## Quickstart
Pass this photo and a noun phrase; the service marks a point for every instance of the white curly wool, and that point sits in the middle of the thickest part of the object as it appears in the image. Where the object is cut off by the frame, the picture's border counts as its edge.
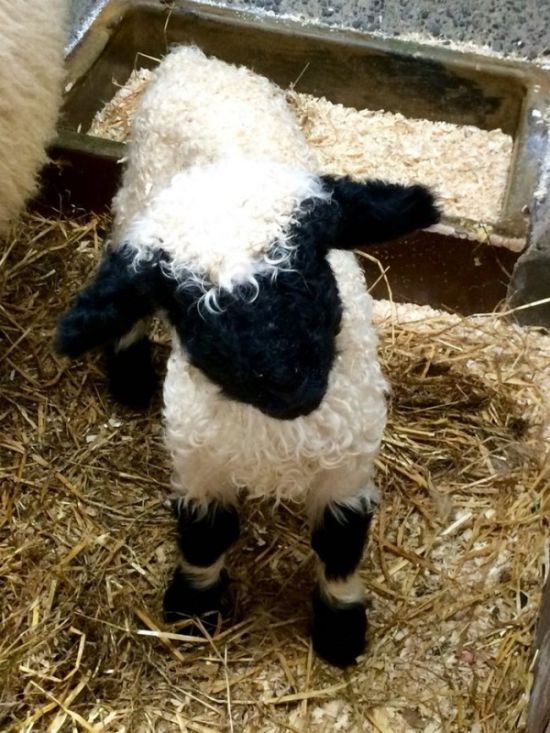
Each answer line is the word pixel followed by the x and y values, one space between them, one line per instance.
pixel 32 35
pixel 219 219
pixel 217 167
pixel 197 111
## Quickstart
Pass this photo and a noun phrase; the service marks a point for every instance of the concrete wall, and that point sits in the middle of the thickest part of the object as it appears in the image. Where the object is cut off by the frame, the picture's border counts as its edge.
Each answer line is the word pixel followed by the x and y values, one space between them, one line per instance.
pixel 516 27
pixel 510 27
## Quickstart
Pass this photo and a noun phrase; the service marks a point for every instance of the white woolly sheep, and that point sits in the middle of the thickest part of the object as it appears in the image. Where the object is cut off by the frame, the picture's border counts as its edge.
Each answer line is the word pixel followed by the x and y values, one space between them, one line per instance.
pixel 32 37
pixel 273 384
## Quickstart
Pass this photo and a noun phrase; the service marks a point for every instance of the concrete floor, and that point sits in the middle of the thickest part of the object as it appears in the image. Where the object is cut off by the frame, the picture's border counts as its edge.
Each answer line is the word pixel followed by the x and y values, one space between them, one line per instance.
pixel 510 27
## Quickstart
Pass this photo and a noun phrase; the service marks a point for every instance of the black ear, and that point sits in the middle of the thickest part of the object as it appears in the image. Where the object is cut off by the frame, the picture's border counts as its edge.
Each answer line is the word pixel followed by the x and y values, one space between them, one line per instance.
pixel 375 211
pixel 121 294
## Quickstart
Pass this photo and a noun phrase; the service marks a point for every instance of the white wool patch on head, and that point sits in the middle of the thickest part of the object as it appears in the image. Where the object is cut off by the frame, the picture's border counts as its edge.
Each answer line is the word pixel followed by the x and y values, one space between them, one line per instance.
pixel 225 222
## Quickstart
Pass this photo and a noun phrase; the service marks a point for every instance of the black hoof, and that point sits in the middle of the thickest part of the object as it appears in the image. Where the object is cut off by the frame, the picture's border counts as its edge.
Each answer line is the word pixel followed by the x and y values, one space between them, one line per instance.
pixel 339 631
pixel 183 601
pixel 133 380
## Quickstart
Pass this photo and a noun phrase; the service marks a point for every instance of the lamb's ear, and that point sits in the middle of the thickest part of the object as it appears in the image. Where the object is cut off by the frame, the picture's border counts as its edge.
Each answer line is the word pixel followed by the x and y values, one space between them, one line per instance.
pixel 375 211
pixel 121 294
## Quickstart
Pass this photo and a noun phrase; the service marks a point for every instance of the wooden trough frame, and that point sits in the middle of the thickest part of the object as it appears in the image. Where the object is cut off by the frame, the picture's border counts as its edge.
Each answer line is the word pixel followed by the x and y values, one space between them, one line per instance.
pixel 450 269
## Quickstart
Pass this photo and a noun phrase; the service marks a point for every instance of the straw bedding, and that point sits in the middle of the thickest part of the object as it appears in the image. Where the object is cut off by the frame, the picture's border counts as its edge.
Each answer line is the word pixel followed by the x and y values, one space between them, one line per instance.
pixel 467 166
pixel 453 572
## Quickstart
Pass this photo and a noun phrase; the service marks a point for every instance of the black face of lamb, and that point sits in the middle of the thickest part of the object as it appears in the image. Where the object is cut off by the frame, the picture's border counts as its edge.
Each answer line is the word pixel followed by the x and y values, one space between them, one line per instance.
pixel 273 349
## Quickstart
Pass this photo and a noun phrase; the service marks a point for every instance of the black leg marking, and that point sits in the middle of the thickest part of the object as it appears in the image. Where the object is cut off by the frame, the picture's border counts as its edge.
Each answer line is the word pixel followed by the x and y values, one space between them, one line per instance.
pixel 182 600
pixel 339 630
pixel 203 536
pixel 339 608
pixel 131 373
pixel 198 587
pixel 340 538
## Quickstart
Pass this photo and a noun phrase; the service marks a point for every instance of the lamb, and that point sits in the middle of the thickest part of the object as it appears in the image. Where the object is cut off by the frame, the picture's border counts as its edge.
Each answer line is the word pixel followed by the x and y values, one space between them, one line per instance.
pixel 32 37
pixel 273 384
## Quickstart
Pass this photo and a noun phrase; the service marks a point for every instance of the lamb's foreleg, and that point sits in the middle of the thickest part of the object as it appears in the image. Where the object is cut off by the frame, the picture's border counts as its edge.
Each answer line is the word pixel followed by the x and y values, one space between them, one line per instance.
pixel 205 533
pixel 339 609
pixel 130 370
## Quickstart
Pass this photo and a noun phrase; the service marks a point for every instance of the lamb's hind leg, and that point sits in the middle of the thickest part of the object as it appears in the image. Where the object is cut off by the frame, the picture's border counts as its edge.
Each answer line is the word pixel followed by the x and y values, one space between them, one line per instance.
pixel 339 608
pixel 205 533
pixel 130 370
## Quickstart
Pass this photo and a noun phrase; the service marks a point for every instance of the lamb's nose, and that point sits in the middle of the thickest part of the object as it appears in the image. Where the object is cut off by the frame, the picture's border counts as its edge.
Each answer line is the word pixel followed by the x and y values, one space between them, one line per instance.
pixel 287 395
pixel 295 399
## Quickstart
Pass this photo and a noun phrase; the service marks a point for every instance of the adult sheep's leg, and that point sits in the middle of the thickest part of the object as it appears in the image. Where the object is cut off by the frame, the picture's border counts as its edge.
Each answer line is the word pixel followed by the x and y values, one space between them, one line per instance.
pixel 130 370
pixel 205 533
pixel 339 537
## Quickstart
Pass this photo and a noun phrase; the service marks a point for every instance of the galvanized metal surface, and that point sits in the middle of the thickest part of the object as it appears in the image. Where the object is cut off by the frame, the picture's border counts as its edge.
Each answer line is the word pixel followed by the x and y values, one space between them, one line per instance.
pixel 81 16
pixel 531 279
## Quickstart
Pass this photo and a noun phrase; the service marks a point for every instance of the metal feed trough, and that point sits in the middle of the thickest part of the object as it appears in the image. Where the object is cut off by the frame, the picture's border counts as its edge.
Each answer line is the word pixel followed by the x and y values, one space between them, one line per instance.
pixel 438 84
pixel 450 269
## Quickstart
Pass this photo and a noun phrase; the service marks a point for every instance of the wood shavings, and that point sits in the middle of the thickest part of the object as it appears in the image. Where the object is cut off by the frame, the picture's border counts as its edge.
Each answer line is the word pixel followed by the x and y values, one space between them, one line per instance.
pixel 113 121
pixel 454 568
pixel 465 165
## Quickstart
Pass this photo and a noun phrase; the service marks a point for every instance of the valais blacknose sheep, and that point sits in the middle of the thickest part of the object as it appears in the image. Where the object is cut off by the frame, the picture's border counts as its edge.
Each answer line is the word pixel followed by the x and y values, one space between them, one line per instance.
pixel 273 385
pixel 32 36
